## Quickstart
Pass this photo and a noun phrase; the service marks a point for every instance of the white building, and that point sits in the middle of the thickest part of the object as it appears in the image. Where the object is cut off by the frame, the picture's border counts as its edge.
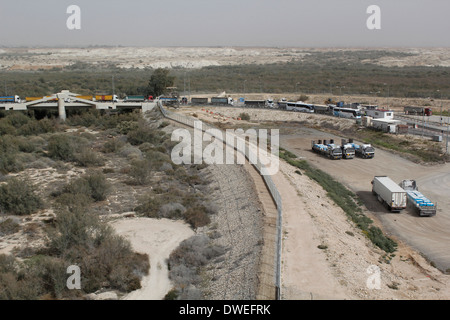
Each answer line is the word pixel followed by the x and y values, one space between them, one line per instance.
pixel 386 125
pixel 380 114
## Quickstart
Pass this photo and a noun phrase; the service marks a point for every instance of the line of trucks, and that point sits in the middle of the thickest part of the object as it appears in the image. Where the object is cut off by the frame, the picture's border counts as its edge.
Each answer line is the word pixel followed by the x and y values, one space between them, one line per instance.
pixel 398 196
pixel 346 150
pixel 98 98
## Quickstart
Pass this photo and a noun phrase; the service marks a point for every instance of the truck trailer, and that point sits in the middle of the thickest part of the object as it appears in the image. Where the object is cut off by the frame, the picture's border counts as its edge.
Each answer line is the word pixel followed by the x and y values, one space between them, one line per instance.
pixel 259 103
pixel 327 148
pixel 416 200
pixel 419 111
pixel 389 193
pixel 199 100
pixel 106 98
pixel 135 99
pixel 10 99
pixel 222 101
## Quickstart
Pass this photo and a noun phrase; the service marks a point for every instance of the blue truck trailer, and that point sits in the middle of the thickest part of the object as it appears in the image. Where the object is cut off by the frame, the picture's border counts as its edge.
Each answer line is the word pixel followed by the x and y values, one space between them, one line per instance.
pixel 424 206
pixel 10 99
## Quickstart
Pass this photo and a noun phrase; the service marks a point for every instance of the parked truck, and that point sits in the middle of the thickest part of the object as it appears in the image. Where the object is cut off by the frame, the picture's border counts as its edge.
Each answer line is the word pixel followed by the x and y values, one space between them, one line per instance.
pixel 389 193
pixel 348 151
pixel 222 101
pixel 365 151
pixel 419 111
pixel 327 148
pixel 416 200
pixel 268 103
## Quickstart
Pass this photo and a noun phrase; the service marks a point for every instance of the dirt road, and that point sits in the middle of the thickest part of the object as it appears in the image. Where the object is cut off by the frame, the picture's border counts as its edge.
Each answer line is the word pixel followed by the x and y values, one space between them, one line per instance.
pixel 429 235
pixel 158 238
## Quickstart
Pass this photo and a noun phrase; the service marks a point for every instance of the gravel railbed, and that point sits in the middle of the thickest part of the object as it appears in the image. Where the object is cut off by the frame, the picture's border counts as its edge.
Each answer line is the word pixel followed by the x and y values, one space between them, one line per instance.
pixel 239 223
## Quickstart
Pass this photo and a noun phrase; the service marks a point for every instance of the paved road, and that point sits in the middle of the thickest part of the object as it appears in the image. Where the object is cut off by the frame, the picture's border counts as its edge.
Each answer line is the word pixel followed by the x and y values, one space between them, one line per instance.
pixel 429 235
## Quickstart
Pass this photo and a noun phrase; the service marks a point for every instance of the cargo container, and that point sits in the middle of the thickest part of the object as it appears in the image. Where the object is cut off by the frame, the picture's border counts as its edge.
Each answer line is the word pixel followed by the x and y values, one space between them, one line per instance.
pixel 416 200
pixel 222 101
pixel 29 99
pixel 134 99
pixel 106 98
pixel 321 109
pixel 389 193
pixel 199 100
pixel 89 98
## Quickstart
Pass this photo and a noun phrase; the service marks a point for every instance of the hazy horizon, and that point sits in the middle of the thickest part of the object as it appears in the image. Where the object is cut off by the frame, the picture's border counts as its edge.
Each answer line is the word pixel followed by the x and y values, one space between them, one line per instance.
pixel 231 23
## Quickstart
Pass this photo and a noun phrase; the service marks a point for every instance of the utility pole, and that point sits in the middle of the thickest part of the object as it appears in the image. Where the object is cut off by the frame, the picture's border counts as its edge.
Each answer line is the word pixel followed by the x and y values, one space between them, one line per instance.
pixel 448 125
pixel 113 88
pixel 423 120
pixel 189 85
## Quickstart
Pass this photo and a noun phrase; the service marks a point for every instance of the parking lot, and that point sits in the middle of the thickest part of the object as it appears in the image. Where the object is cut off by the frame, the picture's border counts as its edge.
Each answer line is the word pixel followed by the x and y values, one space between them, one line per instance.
pixel 429 235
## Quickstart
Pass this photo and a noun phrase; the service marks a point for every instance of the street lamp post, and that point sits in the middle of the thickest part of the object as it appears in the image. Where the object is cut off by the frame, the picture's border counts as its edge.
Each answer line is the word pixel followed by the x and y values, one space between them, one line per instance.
pixel 244 88
pixel 441 104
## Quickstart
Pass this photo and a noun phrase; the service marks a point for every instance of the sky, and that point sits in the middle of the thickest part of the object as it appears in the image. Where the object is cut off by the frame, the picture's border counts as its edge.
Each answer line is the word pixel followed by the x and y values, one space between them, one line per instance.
pixel 265 23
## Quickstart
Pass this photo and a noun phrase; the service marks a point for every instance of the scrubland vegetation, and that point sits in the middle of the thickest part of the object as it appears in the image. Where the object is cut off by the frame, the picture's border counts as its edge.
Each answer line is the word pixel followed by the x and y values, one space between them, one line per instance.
pixel 346 72
pixel 125 148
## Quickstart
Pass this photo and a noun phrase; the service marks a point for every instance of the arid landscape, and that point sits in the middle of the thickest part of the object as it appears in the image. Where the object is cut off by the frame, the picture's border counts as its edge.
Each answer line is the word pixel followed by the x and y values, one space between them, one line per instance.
pixel 154 230
pixel 196 57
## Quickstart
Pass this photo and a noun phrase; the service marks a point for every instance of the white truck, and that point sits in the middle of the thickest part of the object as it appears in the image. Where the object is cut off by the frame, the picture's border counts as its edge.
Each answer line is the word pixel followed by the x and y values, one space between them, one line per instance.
pixel 389 193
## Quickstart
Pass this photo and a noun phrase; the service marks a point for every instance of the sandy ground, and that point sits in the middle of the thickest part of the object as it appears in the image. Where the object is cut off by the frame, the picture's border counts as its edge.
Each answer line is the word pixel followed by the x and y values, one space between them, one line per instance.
pixel 158 238
pixel 196 57
pixel 345 269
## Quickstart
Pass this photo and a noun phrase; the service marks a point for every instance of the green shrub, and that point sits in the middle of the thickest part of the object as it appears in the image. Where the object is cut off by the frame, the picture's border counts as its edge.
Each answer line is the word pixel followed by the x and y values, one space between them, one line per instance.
pixel 18 119
pixel 244 116
pixel 88 158
pixel 61 147
pixel 197 216
pixel 92 185
pixel 8 226
pixel 18 197
pixel 140 171
pixel 143 133
pixel 36 127
pixel 171 295
pixel 113 145
pixel 8 155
